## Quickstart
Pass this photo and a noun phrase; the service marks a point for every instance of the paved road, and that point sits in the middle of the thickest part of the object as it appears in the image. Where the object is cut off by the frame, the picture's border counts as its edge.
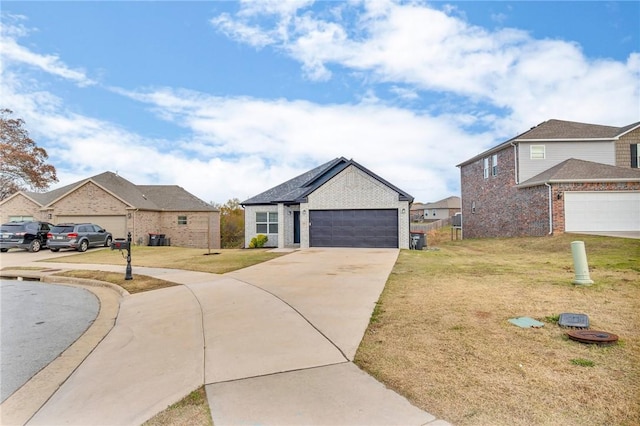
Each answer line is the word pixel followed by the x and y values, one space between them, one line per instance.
pixel 38 322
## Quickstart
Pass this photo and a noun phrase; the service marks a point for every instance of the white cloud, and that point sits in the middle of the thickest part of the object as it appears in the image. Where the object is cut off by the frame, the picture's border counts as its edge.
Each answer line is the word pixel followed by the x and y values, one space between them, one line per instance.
pixel 12 52
pixel 240 146
pixel 415 151
pixel 436 51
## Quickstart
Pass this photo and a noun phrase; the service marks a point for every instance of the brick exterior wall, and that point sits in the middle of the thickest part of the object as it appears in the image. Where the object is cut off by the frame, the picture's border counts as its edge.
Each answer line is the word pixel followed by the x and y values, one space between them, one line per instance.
pixel 355 189
pixel 91 200
pixel 201 231
pixel 623 150
pixel 21 206
pixel 250 224
pixel 350 189
pixel 501 210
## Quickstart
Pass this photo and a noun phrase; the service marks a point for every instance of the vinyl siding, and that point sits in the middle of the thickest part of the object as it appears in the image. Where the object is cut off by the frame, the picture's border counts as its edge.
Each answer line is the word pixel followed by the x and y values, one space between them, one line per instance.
pixel 557 152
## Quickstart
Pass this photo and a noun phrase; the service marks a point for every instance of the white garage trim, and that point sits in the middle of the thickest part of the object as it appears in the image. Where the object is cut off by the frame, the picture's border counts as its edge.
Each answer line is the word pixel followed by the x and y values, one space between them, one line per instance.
pixel 117 225
pixel 602 211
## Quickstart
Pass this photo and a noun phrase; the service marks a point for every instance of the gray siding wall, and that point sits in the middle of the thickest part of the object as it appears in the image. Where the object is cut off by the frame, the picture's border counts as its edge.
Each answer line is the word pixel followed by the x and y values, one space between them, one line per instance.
pixel 436 214
pixel 557 152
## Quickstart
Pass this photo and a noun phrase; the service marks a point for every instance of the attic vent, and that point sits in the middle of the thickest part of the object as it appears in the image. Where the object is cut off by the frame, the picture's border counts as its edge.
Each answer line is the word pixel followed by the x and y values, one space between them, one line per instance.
pixel 144 196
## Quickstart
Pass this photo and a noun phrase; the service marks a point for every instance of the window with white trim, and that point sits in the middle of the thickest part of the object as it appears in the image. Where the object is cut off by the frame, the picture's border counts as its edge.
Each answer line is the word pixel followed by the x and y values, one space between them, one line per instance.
pixel 267 222
pixel 635 156
pixel 20 218
pixel 182 220
pixel 485 167
pixel 494 165
pixel 537 152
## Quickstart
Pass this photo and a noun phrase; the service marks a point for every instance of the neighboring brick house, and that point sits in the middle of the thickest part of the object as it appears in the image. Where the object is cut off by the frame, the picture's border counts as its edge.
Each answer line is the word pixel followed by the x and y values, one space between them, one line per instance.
pixel 338 204
pixel 557 177
pixel 442 209
pixel 120 207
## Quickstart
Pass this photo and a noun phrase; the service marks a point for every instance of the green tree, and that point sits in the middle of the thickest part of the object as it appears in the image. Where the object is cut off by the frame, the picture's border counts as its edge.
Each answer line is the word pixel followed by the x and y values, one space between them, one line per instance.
pixel 22 163
pixel 231 224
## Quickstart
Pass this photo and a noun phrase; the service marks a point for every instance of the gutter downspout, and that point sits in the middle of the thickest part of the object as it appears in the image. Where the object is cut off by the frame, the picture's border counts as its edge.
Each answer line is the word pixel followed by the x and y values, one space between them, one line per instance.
pixel 515 160
pixel 550 209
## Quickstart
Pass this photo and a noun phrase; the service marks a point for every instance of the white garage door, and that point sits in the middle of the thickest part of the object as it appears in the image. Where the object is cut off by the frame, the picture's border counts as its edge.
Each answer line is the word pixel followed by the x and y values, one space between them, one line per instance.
pixel 117 225
pixel 602 211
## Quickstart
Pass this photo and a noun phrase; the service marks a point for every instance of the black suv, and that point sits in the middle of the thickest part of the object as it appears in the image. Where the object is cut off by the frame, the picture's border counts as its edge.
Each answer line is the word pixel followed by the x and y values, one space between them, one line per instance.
pixel 31 236
pixel 79 236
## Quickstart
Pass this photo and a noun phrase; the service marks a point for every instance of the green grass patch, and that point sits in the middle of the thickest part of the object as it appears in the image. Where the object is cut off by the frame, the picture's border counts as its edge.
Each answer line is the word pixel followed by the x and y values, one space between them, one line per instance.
pixel 582 362
pixel 215 262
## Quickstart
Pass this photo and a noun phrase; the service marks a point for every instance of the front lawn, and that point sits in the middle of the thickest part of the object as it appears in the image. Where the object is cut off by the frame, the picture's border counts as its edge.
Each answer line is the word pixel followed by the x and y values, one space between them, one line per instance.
pixel 215 262
pixel 440 334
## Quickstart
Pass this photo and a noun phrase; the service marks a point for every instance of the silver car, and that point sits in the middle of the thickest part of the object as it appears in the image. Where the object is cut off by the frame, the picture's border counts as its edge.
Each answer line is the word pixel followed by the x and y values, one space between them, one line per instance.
pixel 79 236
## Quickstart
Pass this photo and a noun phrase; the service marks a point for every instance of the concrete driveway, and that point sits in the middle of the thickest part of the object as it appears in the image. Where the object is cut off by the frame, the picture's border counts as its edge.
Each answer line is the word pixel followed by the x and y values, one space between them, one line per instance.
pixel 273 344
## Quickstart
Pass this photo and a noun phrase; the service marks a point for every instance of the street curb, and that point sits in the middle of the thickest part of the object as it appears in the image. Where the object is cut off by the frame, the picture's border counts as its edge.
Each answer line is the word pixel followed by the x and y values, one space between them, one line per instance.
pixel 26 401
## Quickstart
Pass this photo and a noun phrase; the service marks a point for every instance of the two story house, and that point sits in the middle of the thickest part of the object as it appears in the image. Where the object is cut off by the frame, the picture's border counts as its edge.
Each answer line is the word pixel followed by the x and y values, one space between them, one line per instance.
pixel 559 176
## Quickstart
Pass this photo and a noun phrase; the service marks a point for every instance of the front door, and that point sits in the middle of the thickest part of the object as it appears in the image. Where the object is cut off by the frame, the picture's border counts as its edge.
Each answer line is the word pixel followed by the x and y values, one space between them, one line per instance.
pixel 296 227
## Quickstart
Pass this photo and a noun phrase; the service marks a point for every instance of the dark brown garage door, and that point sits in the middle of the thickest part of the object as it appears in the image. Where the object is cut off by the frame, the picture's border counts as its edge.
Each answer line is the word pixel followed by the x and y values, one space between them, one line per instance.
pixel 354 228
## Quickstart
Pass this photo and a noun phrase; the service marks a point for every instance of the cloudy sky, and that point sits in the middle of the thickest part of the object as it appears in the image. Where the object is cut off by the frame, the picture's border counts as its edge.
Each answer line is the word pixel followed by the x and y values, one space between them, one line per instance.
pixel 227 99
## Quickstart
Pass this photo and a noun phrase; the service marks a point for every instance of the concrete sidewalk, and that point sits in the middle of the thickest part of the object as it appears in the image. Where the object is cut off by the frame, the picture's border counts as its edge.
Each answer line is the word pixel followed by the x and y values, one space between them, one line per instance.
pixel 273 343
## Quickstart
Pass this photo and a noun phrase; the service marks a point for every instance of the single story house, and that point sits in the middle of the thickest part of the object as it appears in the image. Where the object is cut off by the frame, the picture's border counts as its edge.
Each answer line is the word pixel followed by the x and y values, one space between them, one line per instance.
pixel 559 176
pixel 121 207
pixel 337 204
pixel 442 209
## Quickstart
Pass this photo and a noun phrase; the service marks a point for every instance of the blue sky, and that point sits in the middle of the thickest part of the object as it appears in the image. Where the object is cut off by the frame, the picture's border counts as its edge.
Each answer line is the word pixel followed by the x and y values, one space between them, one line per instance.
pixel 227 99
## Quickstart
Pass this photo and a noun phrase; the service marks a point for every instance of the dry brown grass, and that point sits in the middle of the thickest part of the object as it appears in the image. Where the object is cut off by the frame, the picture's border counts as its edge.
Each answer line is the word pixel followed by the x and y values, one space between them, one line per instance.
pixel 139 284
pixel 193 410
pixel 440 334
pixel 215 262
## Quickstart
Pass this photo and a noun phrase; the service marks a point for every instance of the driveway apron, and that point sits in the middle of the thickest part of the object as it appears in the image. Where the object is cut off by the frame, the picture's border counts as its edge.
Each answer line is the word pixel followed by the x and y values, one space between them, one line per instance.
pixel 272 343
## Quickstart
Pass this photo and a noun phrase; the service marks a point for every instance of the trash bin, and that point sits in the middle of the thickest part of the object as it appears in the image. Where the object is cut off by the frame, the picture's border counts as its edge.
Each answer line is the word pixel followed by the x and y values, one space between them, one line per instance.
pixel 154 239
pixel 417 240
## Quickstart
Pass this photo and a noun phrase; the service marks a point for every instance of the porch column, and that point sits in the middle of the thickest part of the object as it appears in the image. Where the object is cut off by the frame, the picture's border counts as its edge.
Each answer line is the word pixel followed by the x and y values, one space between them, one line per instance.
pixel 281 225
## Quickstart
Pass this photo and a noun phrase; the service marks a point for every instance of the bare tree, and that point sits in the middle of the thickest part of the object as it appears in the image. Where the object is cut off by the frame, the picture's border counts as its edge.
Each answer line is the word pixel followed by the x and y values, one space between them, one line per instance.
pixel 232 224
pixel 22 163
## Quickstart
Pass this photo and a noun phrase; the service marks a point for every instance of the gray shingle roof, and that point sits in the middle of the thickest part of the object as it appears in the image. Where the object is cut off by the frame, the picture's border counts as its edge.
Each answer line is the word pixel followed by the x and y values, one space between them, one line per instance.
pixel 563 130
pixel 297 189
pixel 573 170
pixel 143 197
pixel 452 202
pixel 174 198
pixel 559 130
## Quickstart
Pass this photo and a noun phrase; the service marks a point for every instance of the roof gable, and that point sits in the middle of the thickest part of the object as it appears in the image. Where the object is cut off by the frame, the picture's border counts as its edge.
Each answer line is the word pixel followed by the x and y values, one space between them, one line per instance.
pixel 143 197
pixel 574 170
pixel 569 130
pixel 560 130
pixel 28 195
pixel 297 189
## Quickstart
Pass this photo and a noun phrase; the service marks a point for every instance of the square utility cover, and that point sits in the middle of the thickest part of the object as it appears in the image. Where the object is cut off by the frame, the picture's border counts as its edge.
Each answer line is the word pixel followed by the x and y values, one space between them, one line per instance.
pixel 573 320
